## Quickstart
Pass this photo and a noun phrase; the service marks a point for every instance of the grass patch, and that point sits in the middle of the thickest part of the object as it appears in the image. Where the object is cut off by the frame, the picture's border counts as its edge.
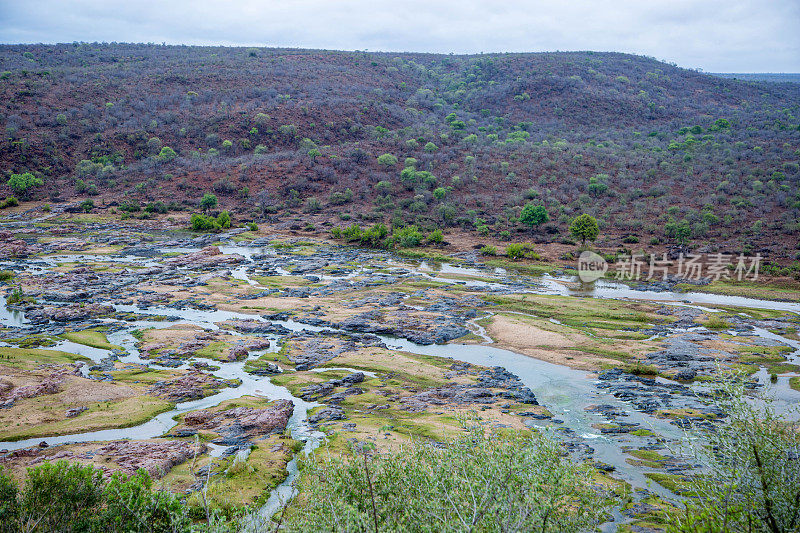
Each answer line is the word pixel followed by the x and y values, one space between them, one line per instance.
pixel 673 482
pixel 91 337
pixel 534 269
pixel 217 351
pixel 100 415
pixel 717 323
pixel 28 358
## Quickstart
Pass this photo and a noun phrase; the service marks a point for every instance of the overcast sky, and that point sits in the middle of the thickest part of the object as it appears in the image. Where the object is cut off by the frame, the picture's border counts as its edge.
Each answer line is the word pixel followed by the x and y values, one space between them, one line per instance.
pixel 715 35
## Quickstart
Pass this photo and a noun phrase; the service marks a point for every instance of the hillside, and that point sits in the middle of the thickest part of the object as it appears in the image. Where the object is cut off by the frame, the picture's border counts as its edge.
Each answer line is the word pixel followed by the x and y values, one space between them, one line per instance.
pixel 635 142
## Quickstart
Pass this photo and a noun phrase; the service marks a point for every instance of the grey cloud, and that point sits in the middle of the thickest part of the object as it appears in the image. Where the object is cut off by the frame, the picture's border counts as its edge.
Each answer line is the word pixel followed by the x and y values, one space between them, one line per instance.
pixel 716 35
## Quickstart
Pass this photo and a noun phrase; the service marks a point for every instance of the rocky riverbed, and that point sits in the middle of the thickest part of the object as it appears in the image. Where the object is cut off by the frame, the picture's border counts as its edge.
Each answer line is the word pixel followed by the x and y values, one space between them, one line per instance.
pixel 132 346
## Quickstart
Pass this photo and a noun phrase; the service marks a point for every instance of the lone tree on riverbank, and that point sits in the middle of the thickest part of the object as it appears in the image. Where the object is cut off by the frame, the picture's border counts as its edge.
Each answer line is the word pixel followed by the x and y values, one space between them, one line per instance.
pixel 209 201
pixel 584 227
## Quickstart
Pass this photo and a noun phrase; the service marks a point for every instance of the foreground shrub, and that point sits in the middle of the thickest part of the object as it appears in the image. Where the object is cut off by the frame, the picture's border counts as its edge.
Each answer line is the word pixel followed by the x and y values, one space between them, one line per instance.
pixel 72 497
pixel 484 481
pixel 751 479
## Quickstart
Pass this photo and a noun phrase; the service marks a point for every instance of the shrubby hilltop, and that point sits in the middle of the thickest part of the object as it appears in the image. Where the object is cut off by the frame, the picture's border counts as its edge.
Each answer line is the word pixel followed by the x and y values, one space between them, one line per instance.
pixel 652 151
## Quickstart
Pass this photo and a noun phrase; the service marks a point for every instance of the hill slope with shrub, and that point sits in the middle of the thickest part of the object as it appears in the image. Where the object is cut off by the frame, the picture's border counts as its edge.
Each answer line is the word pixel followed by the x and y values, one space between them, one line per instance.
pixel 649 149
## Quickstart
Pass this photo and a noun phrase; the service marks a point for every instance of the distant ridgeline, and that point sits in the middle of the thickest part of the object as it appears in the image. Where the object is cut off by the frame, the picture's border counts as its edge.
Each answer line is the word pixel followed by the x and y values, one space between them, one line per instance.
pixel 760 76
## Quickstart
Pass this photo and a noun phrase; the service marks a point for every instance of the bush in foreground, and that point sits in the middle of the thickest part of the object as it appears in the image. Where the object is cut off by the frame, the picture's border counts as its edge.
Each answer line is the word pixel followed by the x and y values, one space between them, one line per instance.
pixel 483 481
pixel 751 480
pixel 73 497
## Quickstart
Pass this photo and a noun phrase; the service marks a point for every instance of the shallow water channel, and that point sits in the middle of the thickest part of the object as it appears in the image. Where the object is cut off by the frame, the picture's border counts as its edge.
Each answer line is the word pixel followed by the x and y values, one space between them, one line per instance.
pixel 564 391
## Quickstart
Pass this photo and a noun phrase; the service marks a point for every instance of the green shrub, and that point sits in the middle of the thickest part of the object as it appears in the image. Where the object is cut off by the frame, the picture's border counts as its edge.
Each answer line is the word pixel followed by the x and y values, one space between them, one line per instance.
pixel 289 130
pixel 488 250
pixel 436 237
pixel 750 479
pixel 71 497
pixel 204 223
pixel 408 176
pixel 87 205
pixel 167 154
pixel 375 235
pixel 340 198
pixel 597 185
pixel 17 296
pixel 533 215
pixel 383 187
pixel 224 220
pixel 584 227
pixel 6 275
pixel 426 177
pixel 61 494
pixel 313 205
pixel 352 233
pixel 521 251
pixel 156 207
pixel 10 201
pixel 387 160
pixel 23 183
pixel 501 481
pixel 407 237
pixel 208 201
pixel 130 206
